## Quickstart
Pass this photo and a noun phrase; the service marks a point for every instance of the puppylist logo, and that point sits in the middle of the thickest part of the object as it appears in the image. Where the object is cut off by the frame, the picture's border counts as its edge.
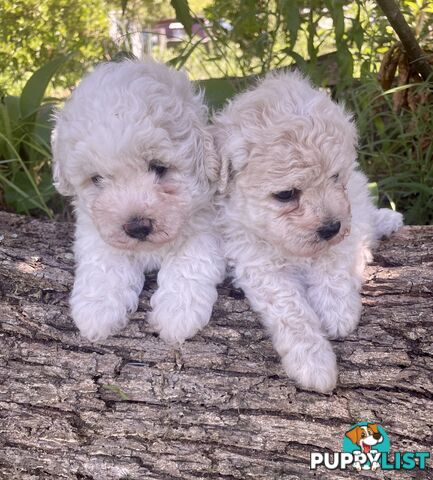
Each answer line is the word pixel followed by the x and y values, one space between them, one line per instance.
pixel 366 446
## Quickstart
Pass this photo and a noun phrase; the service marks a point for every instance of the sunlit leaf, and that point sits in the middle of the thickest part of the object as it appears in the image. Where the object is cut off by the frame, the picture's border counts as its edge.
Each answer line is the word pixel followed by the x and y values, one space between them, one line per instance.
pixel 183 14
pixel 34 90
pixel 292 19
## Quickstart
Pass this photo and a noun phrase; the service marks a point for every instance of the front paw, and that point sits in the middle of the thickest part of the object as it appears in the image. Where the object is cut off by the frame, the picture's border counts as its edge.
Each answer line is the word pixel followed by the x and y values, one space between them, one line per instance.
pixel 172 331
pixel 312 365
pixel 98 318
pixel 339 316
pixel 177 319
pixel 340 324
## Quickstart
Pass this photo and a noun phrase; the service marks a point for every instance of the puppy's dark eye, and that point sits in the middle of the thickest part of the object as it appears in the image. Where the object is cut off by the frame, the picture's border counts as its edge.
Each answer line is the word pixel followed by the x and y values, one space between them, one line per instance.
pixel 97 179
pixel 287 195
pixel 335 177
pixel 158 169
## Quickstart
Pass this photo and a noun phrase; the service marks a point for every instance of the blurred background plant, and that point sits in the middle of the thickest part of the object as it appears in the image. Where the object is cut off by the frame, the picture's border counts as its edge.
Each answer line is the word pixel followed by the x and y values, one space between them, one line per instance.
pixel 224 45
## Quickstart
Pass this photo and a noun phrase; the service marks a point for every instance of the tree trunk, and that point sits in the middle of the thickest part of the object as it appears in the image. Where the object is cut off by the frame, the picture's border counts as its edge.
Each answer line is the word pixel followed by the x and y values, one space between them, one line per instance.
pixel 220 407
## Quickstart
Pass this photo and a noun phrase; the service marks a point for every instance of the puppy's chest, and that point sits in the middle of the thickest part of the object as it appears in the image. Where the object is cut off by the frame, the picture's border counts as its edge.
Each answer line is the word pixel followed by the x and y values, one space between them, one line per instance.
pixel 299 268
pixel 150 261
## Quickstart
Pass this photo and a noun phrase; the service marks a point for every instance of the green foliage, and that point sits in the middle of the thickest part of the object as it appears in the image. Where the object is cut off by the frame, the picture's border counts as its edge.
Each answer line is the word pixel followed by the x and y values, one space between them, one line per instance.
pixel 25 177
pixel 32 32
pixel 397 148
pixel 183 13
pixel 250 38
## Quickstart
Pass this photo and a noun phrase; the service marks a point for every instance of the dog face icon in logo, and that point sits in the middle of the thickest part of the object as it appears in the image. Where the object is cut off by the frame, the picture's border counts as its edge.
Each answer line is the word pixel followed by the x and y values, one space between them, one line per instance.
pixel 366 438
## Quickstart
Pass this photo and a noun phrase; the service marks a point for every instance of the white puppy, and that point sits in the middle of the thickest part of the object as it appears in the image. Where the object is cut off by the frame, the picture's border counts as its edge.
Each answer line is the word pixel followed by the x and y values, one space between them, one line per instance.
pixel 131 147
pixel 297 218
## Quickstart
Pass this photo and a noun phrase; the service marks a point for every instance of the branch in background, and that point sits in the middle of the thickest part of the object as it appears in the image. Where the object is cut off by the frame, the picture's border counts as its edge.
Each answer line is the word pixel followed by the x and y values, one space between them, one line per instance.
pixel 407 38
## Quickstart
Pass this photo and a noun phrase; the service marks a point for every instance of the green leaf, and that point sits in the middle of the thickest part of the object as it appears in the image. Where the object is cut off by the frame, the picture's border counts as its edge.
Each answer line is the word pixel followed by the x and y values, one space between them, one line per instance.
pixel 338 15
pixel 374 192
pixel 13 107
pixel 43 125
pixel 21 195
pixel 345 63
pixel 183 14
pixel 34 90
pixel 357 33
pixel 300 61
pixel 217 91
pixel 292 19
pixel 6 128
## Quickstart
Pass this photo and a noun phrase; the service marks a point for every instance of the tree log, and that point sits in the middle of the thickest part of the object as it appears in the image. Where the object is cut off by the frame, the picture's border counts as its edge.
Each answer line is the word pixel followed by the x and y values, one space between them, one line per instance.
pixel 218 408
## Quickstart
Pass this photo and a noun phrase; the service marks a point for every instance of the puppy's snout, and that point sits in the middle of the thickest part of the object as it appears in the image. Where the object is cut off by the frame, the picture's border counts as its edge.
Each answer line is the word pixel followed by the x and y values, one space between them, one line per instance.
pixel 329 230
pixel 138 228
pixel 377 436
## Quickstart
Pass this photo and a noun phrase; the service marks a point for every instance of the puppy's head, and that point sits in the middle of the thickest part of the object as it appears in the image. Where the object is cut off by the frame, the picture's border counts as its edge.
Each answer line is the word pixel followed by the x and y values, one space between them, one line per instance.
pixel 287 152
pixel 131 145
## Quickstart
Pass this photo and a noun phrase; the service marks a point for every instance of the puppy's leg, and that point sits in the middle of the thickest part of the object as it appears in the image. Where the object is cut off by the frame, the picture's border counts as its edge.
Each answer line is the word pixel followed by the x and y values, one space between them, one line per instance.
pixel 334 293
pixel 335 280
pixel 187 282
pixel 307 356
pixel 106 288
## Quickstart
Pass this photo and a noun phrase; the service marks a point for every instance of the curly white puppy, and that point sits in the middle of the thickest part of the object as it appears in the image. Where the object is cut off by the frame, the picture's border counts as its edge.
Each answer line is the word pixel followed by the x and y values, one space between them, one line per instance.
pixel 297 218
pixel 131 146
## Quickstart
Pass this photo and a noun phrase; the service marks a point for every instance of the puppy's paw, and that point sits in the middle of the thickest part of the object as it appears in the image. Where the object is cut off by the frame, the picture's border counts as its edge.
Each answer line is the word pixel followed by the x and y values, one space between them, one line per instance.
pixel 171 328
pixel 342 319
pixel 313 366
pixel 177 319
pixel 97 318
pixel 338 308
pixel 97 321
pixel 387 222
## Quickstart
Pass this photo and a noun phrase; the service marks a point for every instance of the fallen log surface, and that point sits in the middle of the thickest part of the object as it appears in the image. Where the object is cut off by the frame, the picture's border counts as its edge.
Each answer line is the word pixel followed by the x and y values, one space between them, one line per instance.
pixel 220 407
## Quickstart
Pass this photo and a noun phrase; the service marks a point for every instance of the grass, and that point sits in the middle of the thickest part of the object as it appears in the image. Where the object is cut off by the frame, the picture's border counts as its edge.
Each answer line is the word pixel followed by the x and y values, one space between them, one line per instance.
pixel 396 147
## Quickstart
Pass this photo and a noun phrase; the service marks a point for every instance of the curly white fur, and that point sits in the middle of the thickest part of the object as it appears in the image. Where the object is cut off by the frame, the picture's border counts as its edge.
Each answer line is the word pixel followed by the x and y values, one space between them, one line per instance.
pixel 285 136
pixel 124 122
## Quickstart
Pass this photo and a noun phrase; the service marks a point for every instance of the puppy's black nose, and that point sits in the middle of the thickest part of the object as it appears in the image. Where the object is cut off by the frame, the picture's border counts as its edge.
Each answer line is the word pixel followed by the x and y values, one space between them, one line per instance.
pixel 329 230
pixel 377 436
pixel 138 228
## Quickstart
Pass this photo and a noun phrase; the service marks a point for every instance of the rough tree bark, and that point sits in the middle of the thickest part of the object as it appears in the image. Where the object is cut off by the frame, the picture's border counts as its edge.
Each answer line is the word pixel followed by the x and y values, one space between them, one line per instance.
pixel 221 407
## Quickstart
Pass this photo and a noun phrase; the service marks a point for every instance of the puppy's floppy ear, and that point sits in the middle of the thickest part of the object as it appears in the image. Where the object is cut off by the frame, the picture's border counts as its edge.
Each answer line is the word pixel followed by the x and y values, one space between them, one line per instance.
pixel 354 435
pixel 230 149
pixel 210 159
pixel 224 163
pixel 60 181
pixel 373 426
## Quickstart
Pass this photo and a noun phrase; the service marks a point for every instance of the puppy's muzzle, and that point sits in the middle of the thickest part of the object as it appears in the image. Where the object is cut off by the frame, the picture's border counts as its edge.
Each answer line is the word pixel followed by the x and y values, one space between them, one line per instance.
pixel 329 230
pixel 138 228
